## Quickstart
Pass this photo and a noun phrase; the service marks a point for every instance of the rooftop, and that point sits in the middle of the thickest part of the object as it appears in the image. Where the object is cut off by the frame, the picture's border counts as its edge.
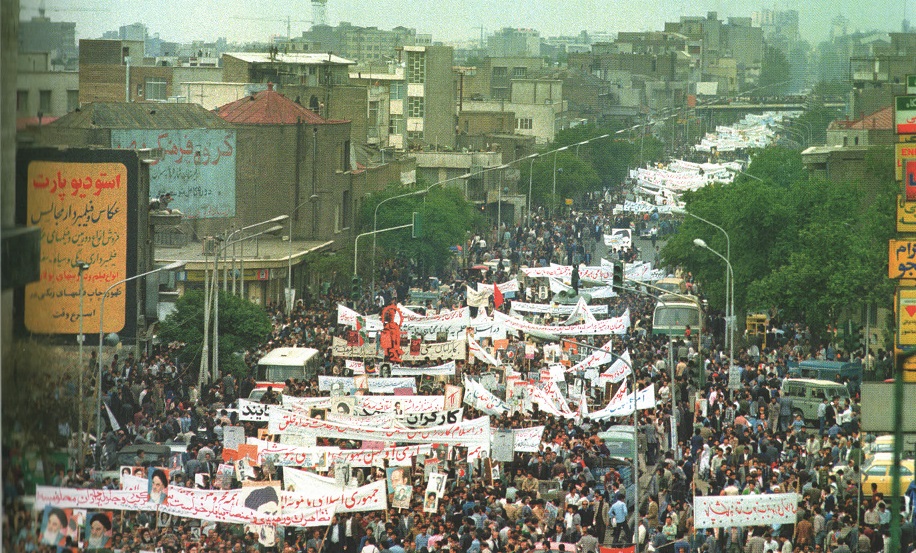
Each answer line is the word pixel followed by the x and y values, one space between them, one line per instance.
pixel 298 58
pixel 269 107
pixel 136 115
pixel 883 119
pixel 263 253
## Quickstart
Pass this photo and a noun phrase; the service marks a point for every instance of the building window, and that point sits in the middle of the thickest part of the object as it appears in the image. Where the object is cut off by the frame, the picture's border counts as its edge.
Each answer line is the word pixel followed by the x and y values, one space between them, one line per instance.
pixel 523 123
pixel 73 100
pixel 500 71
pixel 22 102
pixel 415 106
pixel 373 114
pixel 500 92
pixel 396 124
pixel 416 67
pixel 44 101
pixel 347 209
pixel 519 72
pixel 415 135
pixel 155 89
pixel 396 91
pixel 346 156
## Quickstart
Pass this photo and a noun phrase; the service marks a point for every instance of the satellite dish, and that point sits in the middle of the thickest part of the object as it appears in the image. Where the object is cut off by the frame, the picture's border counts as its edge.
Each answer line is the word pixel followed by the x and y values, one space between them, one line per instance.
pixel 112 339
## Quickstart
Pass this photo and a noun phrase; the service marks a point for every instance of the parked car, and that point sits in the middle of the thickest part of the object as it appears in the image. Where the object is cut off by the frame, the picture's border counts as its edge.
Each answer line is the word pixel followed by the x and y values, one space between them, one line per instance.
pixel 807 394
pixel 878 472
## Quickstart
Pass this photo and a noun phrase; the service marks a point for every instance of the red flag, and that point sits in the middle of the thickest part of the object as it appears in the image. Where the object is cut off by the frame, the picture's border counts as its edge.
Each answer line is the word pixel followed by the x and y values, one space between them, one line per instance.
pixel 497 296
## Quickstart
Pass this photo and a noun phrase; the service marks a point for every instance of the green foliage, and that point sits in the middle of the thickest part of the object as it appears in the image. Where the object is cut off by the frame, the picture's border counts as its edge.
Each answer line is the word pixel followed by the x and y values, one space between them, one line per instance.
pixel 610 157
pixel 242 325
pixel 774 72
pixel 809 248
pixel 446 215
pixel 777 165
pixel 39 393
pixel 574 177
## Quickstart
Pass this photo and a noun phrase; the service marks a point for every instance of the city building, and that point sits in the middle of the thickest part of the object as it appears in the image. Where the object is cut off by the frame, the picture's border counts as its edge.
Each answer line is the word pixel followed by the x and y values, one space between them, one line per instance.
pixel 309 69
pixel 509 42
pixel 41 92
pixel 57 38
pixel 871 130
pixel 362 44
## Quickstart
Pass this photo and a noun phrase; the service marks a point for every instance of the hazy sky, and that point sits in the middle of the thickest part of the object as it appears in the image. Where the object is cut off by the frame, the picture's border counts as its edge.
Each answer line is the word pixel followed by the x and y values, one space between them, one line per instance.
pixel 446 20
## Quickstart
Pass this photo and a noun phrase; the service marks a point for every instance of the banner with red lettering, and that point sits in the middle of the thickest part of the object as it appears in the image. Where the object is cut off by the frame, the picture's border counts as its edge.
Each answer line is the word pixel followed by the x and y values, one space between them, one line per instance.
pixel 745 510
pixel 475 431
pixel 252 505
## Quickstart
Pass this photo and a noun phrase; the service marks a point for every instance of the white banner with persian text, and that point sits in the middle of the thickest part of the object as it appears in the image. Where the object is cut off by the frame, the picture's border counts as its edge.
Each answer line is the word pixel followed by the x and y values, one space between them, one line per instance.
pixel 474 431
pixel 445 369
pixel 745 510
pixel 614 325
pixel 376 385
pixel 248 505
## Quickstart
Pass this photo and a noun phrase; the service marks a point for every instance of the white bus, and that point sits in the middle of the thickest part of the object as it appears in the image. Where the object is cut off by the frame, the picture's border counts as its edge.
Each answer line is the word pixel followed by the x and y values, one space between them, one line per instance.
pixel 284 363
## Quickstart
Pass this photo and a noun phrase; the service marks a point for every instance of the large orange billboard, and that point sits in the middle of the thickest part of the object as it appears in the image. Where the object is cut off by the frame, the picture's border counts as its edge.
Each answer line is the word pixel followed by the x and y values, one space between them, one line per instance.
pixel 85 204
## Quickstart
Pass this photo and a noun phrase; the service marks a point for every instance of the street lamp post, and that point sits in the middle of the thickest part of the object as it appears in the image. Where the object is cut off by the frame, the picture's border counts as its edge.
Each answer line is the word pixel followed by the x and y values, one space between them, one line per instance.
pixel 404 195
pixel 532 157
pixel 215 289
pixel 98 383
pixel 729 287
pixel 700 243
pixel 554 193
pixel 82 267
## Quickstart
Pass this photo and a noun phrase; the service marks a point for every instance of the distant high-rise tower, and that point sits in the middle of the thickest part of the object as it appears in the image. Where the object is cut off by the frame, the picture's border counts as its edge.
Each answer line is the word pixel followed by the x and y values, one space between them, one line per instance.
pixel 319 12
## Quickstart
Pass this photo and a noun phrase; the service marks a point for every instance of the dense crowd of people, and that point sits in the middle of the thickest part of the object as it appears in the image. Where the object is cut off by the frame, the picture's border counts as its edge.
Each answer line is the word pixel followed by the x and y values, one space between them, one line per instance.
pixel 570 495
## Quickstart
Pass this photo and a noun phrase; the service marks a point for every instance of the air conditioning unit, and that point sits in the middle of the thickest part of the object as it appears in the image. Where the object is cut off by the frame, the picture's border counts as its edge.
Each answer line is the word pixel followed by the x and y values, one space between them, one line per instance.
pixel 543 292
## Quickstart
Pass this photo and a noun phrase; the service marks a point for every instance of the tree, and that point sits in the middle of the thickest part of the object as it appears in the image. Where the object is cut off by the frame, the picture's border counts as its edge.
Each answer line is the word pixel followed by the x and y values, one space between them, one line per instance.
pixel 574 177
pixel 40 398
pixel 774 72
pixel 446 218
pixel 805 247
pixel 613 156
pixel 243 325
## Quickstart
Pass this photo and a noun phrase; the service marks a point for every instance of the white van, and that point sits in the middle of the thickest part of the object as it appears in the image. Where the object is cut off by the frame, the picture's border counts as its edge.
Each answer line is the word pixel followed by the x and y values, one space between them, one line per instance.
pixel 285 363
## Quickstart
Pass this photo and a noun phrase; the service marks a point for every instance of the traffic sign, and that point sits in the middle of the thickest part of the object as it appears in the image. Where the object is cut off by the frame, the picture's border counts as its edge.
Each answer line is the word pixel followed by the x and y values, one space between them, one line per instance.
pixel 906 317
pixel 903 151
pixel 909 178
pixel 905 114
pixel 906 215
pixel 901 259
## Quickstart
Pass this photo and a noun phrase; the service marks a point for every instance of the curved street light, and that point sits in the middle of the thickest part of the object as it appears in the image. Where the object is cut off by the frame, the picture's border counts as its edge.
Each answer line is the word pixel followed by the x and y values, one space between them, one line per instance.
pixel 700 243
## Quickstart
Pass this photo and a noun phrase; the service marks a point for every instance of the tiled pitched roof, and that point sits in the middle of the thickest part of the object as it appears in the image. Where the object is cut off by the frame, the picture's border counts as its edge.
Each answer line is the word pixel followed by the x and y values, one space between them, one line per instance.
pixel 270 108
pixel 883 119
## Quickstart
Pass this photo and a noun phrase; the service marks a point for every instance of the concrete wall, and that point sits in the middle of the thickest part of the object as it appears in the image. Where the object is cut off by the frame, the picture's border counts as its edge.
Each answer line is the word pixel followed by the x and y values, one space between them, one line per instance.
pixel 439 123
pixel 105 82
pixel 60 85
pixel 536 91
pixel 235 70
pixel 471 123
